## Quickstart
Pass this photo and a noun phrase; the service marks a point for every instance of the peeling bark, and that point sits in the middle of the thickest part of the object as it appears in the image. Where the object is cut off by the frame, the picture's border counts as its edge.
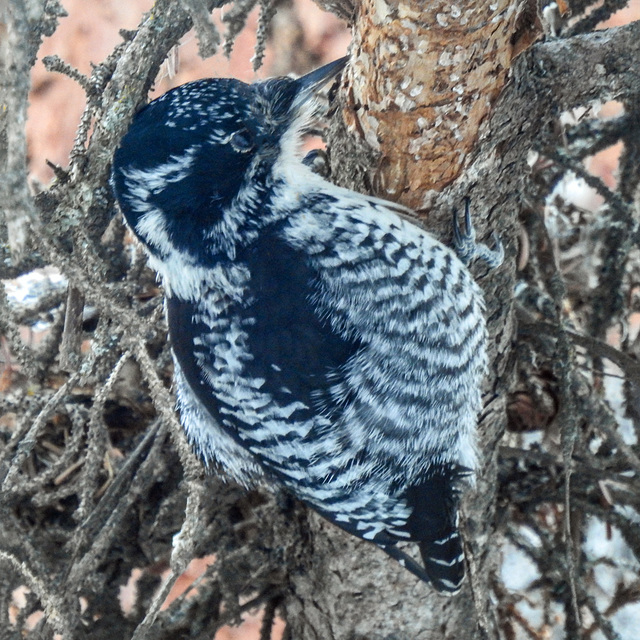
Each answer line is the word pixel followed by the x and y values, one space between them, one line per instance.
pixel 421 80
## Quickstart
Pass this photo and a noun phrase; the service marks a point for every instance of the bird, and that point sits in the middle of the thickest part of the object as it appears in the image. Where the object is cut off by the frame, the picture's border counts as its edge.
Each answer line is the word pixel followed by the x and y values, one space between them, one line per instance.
pixel 324 342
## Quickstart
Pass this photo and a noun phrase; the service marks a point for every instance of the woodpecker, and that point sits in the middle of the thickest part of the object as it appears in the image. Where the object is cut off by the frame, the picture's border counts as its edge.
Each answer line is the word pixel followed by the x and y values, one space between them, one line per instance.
pixel 323 342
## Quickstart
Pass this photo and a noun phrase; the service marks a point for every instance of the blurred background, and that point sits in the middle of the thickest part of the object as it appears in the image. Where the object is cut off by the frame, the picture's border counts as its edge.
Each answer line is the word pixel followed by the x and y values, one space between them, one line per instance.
pixel 302 36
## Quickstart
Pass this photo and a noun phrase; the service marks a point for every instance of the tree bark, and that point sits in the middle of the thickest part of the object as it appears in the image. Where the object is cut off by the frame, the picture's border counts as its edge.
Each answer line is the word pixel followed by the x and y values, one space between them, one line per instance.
pixel 18 48
pixel 421 80
pixel 414 103
pixel 425 119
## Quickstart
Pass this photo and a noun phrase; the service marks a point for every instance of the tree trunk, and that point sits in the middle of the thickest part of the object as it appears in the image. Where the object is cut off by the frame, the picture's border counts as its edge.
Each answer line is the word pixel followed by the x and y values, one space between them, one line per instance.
pixel 416 99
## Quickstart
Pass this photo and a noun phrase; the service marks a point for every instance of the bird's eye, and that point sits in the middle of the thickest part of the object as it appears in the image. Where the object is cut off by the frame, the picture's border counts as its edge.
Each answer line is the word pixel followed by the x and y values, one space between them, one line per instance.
pixel 242 141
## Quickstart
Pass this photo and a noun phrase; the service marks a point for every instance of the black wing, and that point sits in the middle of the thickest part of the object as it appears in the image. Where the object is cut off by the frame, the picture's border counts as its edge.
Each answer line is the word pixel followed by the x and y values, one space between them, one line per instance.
pixel 297 354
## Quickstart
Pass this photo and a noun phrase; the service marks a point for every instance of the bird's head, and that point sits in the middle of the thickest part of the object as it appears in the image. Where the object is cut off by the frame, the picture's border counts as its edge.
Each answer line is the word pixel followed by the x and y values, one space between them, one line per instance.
pixel 193 158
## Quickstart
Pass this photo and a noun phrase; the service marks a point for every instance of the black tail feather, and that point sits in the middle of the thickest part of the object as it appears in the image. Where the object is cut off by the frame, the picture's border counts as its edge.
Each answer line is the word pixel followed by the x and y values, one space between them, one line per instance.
pixel 444 562
pixel 443 585
pixel 434 525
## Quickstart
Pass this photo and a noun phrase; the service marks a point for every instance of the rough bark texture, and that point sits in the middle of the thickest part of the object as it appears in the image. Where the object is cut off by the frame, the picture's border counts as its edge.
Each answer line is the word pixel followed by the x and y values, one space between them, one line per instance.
pixel 497 178
pixel 20 36
pixel 422 79
pixel 96 477
pixel 403 132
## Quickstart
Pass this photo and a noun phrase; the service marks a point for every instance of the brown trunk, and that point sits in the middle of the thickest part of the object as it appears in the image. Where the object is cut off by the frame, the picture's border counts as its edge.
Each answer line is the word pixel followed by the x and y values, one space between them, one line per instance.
pixel 421 80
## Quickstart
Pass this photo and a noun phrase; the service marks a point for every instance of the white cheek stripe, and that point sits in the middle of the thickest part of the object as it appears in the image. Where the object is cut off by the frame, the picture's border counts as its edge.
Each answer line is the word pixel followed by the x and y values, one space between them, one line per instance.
pixel 141 183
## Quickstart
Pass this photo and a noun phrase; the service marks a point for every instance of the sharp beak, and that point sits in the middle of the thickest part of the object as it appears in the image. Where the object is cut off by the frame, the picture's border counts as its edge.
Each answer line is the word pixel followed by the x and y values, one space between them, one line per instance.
pixel 309 85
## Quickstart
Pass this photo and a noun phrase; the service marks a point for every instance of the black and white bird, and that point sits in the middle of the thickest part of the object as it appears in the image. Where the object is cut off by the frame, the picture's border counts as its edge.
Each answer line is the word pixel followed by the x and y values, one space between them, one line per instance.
pixel 322 341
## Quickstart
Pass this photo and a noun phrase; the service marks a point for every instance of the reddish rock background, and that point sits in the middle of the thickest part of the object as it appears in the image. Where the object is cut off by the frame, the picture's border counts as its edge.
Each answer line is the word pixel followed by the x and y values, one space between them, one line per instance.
pixel 303 36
